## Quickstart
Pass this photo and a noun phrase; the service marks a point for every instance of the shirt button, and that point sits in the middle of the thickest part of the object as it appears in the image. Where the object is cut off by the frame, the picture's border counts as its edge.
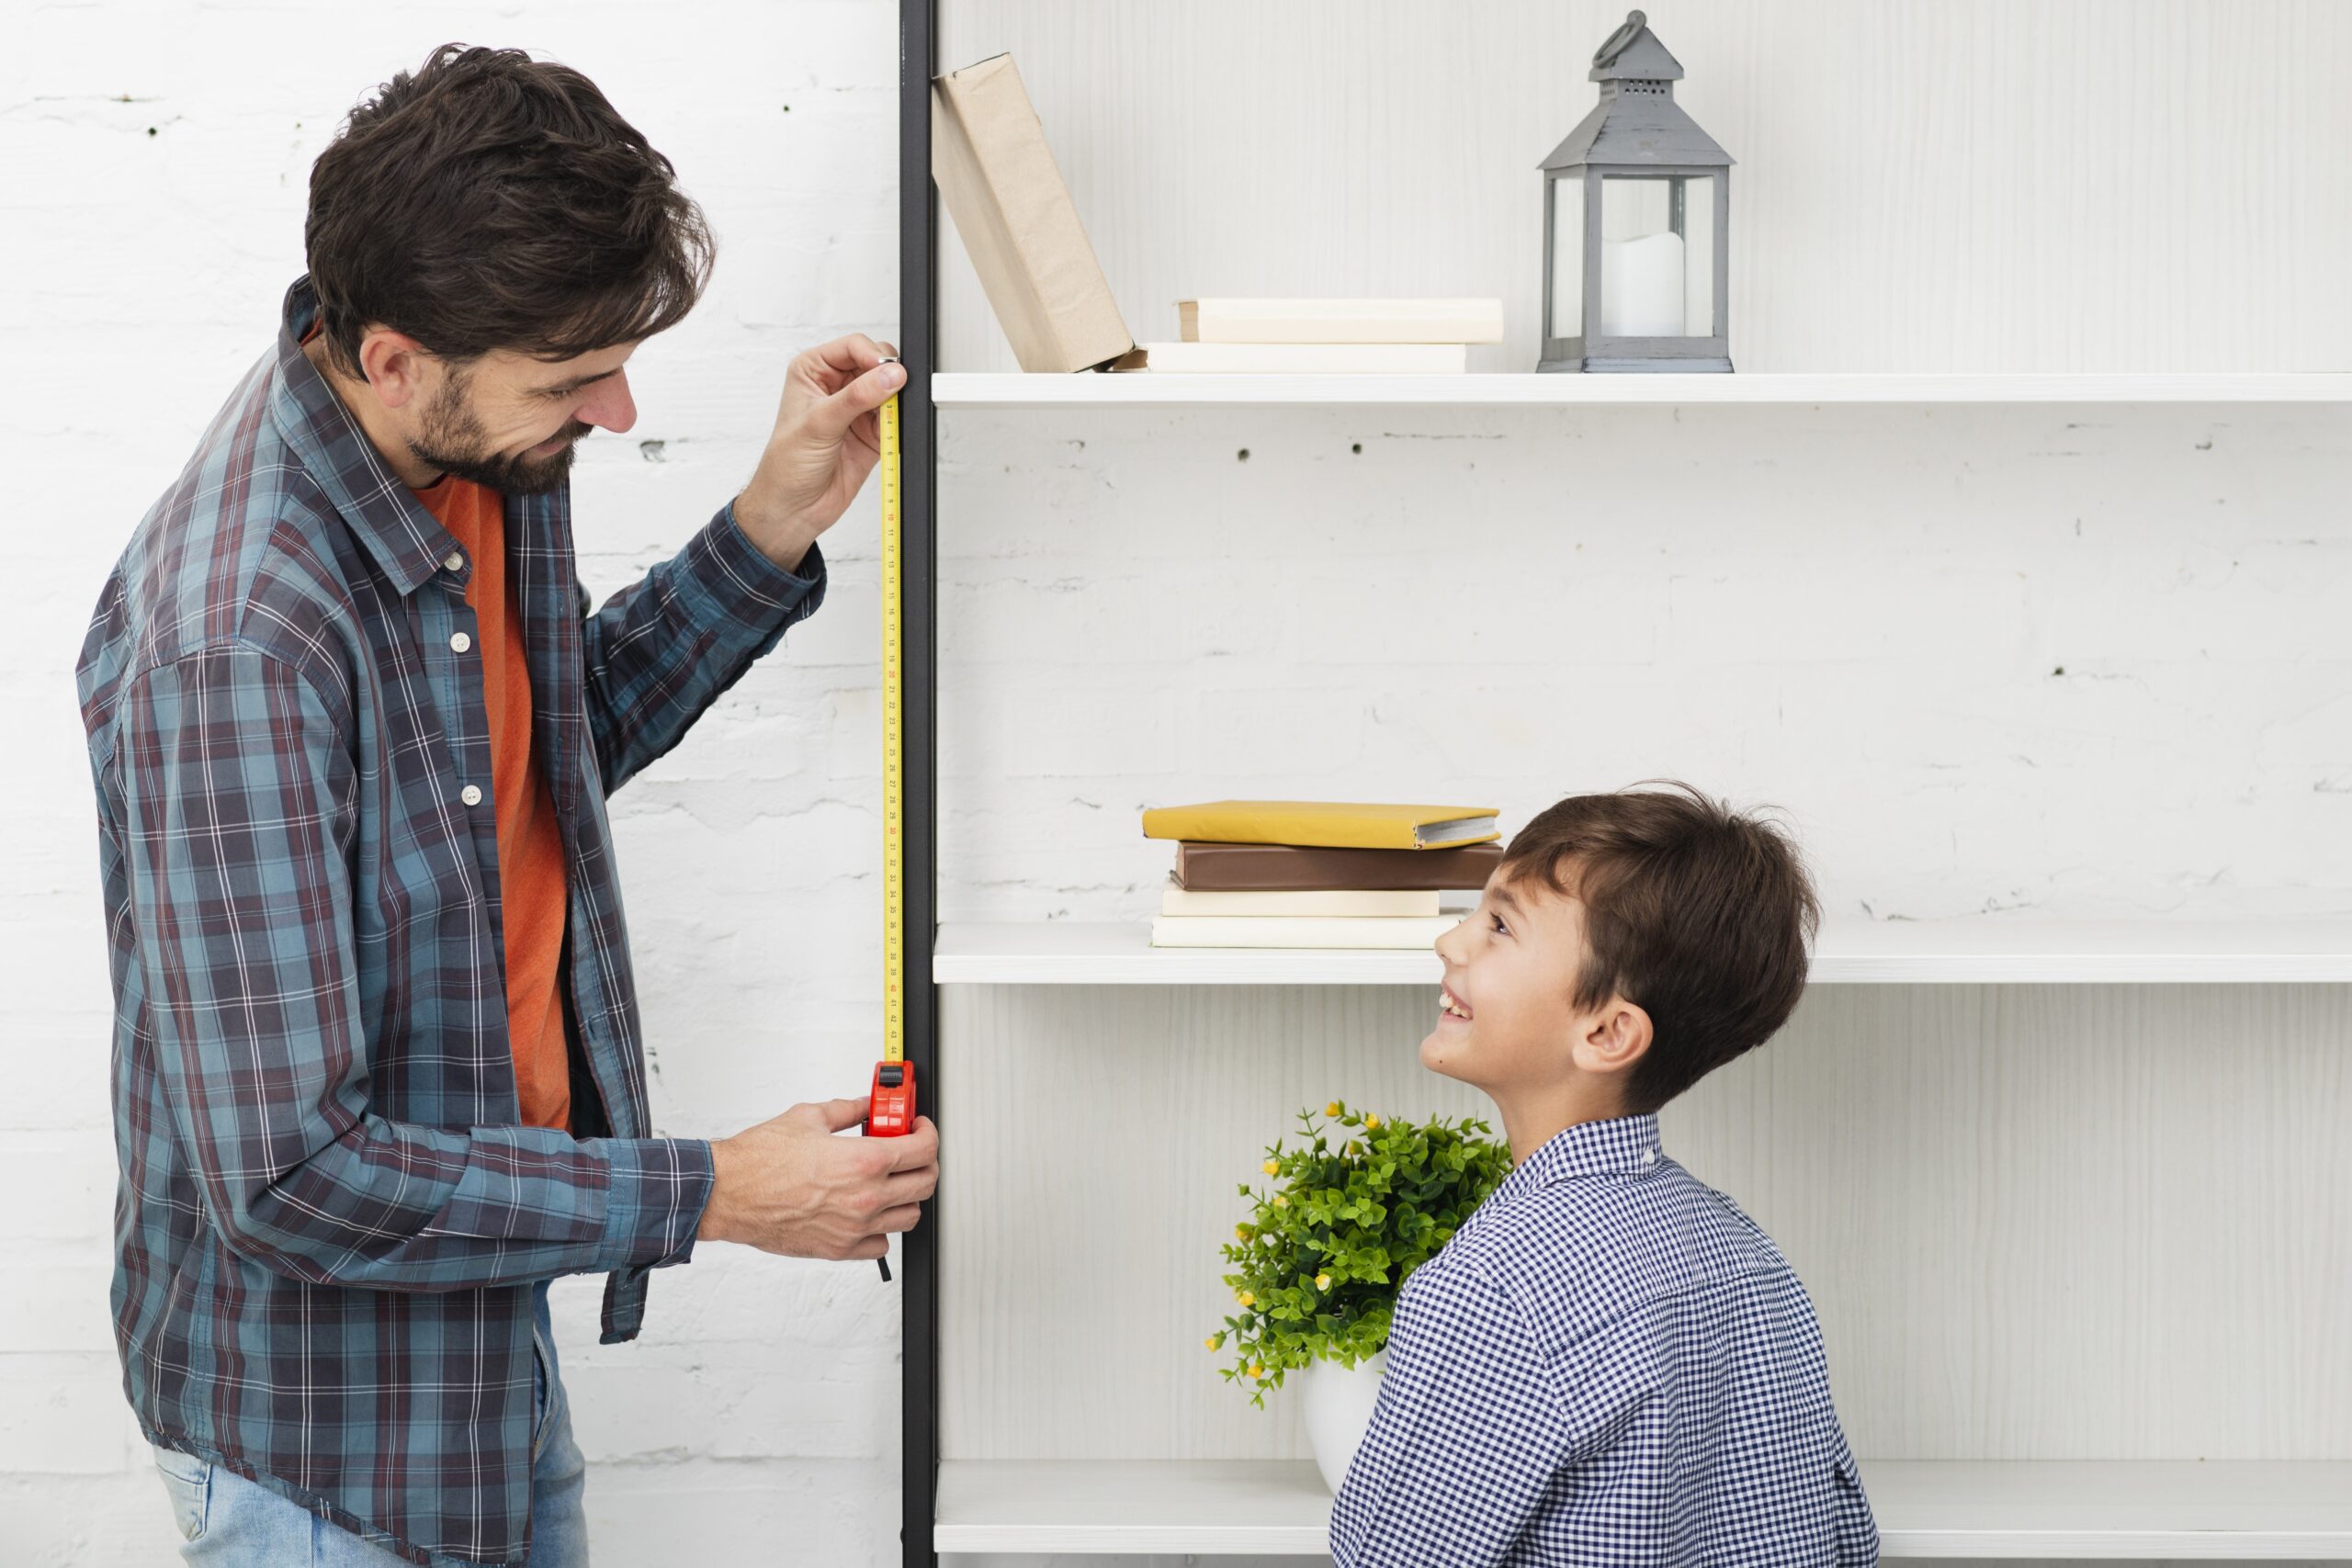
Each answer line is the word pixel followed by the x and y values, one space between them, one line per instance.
pixel 471 794
pixel 459 643
pixel 455 560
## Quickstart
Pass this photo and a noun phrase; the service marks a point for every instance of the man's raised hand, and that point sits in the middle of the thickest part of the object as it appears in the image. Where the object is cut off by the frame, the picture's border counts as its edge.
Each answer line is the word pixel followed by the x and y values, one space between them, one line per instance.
pixel 827 439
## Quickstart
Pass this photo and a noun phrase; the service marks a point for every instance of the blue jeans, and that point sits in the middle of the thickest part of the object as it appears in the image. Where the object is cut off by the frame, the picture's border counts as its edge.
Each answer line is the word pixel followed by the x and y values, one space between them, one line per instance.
pixel 230 1522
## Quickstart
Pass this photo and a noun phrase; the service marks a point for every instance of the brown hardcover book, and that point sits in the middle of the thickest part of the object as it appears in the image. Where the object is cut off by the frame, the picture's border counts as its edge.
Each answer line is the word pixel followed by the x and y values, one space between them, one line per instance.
pixel 1260 868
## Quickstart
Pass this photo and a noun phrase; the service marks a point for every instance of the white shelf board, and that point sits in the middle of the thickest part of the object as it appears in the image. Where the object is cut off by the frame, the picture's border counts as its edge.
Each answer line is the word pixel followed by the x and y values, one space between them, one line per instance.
pixel 1221 1507
pixel 1894 953
pixel 2242 1511
pixel 979 390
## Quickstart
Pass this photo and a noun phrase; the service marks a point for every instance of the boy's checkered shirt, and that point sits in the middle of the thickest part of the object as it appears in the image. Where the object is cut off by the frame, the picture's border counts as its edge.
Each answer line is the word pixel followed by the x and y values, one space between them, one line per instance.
pixel 330 1215
pixel 1608 1363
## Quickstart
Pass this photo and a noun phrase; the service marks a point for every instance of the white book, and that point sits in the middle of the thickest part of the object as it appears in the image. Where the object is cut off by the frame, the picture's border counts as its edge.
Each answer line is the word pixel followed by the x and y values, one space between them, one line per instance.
pixel 1242 931
pixel 1389 903
pixel 1340 320
pixel 1309 358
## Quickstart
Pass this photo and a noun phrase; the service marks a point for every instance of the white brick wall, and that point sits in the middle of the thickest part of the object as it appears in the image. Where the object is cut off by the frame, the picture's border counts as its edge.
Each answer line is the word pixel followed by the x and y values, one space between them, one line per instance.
pixel 138 273
pixel 2085 663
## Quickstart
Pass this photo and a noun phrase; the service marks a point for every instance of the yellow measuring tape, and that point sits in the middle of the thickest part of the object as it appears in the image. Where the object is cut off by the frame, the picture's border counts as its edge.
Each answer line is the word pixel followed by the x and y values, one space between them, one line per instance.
pixel 890 1107
pixel 894 844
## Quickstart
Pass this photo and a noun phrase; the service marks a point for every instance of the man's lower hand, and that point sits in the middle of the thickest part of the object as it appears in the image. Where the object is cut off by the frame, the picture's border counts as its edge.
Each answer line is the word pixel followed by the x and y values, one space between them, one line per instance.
pixel 790 1186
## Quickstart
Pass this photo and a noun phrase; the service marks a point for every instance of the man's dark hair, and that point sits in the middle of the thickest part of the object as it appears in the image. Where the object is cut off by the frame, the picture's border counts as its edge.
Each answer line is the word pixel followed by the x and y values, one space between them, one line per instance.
pixel 1694 913
pixel 491 201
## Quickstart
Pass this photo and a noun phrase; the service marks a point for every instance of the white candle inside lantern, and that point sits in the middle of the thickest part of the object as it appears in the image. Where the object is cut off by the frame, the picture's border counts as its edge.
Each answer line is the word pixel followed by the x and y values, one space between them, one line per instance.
pixel 1641 287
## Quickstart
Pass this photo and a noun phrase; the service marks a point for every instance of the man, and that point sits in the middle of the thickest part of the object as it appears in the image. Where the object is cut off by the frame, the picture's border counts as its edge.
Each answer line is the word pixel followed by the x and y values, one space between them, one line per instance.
pixel 377 1074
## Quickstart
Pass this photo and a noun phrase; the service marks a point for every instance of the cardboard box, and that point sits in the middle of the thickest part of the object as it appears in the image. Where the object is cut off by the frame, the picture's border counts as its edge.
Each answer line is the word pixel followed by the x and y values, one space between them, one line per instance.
pixel 999 182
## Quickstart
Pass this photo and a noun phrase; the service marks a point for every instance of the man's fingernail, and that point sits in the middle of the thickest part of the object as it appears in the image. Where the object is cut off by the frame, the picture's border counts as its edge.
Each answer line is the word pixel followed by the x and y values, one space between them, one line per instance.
pixel 893 374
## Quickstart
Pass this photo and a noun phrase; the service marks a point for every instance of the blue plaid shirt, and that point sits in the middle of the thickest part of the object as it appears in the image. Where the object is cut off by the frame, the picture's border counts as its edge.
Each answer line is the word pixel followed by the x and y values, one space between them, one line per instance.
pixel 329 1215
pixel 1608 1363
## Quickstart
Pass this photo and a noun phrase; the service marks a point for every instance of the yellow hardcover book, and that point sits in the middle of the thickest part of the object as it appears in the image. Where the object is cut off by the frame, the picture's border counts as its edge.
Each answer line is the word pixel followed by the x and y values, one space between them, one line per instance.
pixel 1323 824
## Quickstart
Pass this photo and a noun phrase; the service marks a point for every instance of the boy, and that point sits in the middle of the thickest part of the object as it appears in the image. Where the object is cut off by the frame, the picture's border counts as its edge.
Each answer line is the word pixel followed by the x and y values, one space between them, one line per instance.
pixel 1610 1363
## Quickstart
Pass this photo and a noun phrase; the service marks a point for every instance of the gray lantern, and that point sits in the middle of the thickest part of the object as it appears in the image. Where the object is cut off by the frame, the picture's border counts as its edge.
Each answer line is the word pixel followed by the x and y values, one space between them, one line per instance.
pixel 1636 224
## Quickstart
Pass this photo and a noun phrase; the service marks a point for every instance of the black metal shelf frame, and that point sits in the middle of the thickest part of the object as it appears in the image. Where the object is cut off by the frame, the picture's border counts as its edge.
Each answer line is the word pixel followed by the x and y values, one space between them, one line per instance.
pixel 917 617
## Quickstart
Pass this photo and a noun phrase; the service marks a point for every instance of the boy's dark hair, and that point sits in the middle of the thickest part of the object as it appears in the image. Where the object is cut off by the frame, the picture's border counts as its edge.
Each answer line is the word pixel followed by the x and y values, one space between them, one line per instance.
pixel 1694 913
pixel 495 201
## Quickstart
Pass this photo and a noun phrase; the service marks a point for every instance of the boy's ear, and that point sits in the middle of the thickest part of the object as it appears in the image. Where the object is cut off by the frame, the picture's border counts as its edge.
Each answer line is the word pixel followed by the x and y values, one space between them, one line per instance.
pixel 1618 1036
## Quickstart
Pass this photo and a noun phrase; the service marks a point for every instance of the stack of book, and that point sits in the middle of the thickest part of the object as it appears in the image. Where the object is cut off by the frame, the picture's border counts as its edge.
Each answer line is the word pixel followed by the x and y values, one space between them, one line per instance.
pixel 1317 874
pixel 1402 337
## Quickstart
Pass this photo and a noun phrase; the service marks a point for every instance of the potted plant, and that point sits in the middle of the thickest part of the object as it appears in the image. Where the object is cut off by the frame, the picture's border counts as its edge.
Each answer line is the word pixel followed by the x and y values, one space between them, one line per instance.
pixel 1345 1215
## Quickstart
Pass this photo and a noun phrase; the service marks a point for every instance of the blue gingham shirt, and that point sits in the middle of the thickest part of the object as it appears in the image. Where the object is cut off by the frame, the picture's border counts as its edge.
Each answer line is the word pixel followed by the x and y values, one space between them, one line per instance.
pixel 331 1214
pixel 1608 1363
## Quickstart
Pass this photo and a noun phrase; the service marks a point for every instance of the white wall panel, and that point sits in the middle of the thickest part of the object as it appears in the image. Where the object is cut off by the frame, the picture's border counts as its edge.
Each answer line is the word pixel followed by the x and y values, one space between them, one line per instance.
pixel 1982 185
pixel 2037 1223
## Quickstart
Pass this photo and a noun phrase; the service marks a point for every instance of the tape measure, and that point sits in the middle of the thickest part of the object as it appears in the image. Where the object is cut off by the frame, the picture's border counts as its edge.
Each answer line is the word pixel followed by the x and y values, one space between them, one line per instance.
pixel 890 1108
pixel 890 1112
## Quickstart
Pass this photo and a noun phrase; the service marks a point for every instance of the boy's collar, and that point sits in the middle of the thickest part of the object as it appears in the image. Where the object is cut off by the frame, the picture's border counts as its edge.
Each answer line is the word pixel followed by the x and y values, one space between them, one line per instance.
pixel 1622 1145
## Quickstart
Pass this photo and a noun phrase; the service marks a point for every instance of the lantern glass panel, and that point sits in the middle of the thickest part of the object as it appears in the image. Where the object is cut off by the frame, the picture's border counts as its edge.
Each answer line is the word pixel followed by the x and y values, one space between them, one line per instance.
pixel 1657 255
pixel 1566 194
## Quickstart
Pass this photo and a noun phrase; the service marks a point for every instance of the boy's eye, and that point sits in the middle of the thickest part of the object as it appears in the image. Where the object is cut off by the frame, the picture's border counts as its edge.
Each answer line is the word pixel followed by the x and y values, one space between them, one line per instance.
pixel 1498 920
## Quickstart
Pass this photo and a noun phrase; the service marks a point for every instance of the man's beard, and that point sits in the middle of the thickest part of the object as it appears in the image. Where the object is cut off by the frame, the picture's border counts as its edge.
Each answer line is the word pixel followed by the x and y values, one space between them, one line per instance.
pixel 452 442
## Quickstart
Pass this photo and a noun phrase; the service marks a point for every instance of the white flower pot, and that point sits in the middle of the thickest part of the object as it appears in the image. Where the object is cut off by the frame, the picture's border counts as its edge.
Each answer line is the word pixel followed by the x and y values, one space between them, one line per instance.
pixel 1338 1409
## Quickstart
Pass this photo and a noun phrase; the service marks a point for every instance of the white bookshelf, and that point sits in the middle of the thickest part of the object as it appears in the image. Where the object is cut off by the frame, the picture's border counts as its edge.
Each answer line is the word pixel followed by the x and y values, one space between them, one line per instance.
pixel 2082 1509
pixel 985 389
pixel 2054 1186
pixel 1887 953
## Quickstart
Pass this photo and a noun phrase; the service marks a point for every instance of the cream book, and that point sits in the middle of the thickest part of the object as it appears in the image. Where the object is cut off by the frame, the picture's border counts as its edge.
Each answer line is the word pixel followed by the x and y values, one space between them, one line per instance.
pixel 1402 904
pixel 1242 931
pixel 1340 320
pixel 999 182
pixel 1307 358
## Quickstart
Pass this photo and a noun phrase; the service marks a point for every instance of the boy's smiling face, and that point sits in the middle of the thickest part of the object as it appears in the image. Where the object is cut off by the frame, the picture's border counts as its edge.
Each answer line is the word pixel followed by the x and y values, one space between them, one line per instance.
pixel 1508 1020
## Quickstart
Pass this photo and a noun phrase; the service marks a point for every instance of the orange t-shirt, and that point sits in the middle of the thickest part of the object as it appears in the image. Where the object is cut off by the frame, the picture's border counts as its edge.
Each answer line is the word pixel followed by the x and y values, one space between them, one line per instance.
pixel 532 884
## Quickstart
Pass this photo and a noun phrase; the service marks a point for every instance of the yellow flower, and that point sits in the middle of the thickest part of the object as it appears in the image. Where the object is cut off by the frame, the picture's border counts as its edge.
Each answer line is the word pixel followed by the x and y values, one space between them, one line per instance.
pixel 1333 1109
pixel 1280 1202
pixel 1371 1122
pixel 1243 1233
pixel 1322 1281
pixel 1272 1168
pixel 1246 1298
pixel 1215 1342
pixel 1258 1371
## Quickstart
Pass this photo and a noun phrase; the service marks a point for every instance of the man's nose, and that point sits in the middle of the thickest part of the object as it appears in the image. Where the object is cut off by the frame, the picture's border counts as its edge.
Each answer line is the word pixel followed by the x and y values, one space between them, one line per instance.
pixel 608 405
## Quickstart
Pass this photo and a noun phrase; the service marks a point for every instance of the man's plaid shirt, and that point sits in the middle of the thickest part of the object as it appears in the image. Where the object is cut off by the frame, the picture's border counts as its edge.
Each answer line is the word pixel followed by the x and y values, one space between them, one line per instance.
pixel 330 1218
pixel 1608 1363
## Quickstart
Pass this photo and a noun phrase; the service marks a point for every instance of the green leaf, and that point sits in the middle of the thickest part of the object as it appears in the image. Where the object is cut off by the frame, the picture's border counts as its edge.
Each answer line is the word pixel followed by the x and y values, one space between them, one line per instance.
pixel 1367 1214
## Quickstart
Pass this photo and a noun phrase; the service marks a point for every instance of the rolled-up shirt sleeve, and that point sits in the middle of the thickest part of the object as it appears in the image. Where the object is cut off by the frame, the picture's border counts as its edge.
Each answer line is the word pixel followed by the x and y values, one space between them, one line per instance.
pixel 238 794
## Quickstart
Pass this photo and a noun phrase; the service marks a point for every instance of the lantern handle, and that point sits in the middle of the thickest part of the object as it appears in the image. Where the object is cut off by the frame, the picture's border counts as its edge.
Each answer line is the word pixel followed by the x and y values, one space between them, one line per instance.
pixel 1618 41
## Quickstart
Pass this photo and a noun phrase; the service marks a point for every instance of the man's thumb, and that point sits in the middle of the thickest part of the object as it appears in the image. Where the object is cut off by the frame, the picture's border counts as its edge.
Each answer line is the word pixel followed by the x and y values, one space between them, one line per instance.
pixel 841 1115
pixel 863 396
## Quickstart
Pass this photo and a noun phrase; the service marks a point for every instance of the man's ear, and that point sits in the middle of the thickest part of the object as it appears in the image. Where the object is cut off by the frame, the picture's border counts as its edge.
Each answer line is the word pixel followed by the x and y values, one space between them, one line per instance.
pixel 1618 1036
pixel 394 365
